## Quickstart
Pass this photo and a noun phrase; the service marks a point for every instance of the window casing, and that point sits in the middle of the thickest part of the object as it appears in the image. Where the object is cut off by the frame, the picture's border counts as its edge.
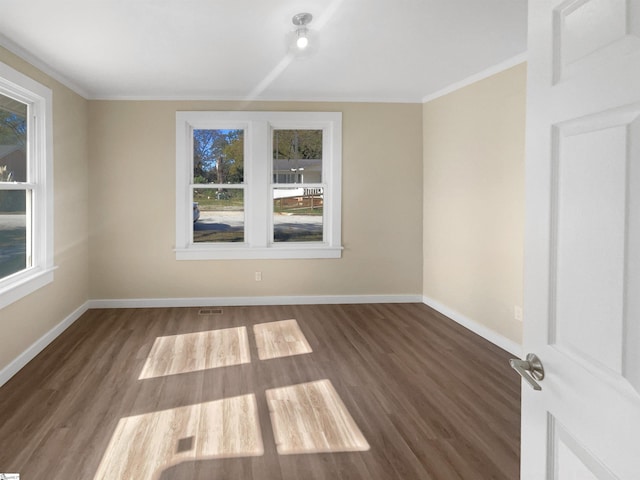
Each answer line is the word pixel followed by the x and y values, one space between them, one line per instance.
pixel 26 186
pixel 265 192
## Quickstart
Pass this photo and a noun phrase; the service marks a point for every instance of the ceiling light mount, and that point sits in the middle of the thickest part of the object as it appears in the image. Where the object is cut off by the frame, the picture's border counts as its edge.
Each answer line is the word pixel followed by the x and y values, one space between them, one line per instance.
pixel 301 20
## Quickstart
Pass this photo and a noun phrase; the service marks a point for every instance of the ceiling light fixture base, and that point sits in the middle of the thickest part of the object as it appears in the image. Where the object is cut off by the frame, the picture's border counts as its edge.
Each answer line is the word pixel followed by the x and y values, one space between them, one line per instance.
pixel 302 19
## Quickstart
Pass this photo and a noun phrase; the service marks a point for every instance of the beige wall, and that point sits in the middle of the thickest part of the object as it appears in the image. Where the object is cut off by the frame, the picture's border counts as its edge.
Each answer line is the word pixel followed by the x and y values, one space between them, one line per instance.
pixel 132 215
pixel 474 200
pixel 25 321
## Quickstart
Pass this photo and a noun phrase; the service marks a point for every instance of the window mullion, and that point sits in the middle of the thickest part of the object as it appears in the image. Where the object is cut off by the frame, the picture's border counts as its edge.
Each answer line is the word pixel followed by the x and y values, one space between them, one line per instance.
pixel 17 186
pixel 33 255
pixel 258 208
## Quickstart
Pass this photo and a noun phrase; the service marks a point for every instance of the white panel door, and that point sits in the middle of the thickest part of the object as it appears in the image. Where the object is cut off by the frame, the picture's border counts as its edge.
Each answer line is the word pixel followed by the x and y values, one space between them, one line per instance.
pixel 582 242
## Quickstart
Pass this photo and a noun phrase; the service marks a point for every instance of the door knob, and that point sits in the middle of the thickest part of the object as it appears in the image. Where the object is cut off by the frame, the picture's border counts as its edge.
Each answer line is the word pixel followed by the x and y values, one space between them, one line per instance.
pixel 530 369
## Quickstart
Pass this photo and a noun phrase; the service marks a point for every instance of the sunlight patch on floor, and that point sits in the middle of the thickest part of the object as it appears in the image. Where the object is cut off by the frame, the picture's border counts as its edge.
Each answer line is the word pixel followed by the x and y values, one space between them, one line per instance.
pixel 191 352
pixel 280 339
pixel 311 418
pixel 225 428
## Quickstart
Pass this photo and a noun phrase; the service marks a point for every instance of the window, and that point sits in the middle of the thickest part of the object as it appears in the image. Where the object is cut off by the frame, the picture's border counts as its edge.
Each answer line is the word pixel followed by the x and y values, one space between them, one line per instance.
pixel 258 185
pixel 26 193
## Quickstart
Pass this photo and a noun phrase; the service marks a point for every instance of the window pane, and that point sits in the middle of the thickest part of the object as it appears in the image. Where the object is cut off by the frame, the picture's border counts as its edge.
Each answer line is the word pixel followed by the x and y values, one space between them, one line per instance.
pixel 13 232
pixel 218 215
pixel 297 214
pixel 297 156
pixel 13 140
pixel 218 156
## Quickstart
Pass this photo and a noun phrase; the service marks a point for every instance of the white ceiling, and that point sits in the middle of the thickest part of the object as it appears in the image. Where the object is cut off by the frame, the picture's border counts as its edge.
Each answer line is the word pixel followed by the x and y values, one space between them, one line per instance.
pixel 377 50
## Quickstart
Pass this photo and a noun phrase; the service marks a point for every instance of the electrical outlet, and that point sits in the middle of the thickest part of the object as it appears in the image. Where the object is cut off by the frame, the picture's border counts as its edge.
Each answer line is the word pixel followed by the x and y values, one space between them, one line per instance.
pixel 517 313
pixel 258 276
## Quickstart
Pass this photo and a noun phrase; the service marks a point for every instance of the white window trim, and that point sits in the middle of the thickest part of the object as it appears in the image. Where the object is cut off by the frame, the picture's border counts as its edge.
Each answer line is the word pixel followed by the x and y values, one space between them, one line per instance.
pixel 258 180
pixel 40 151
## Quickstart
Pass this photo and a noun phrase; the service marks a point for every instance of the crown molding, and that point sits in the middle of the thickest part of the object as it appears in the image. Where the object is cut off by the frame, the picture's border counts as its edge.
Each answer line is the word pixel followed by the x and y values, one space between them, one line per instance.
pixel 238 98
pixel 44 67
pixel 510 62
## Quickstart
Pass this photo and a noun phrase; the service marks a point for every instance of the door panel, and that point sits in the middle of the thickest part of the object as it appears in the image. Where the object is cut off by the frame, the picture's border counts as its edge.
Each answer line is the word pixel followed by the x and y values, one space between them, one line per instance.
pixel 589 31
pixel 589 241
pixel 582 241
pixel 571 461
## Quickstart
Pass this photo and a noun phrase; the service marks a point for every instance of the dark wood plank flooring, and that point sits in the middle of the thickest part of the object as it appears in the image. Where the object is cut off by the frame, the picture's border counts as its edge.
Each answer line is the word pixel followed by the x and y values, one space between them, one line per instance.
pixel 433 400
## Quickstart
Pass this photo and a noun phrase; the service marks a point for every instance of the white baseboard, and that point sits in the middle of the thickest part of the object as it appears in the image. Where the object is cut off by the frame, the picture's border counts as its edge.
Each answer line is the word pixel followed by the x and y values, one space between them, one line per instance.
pixel 250 301
pixel 486 333
pixel 29 354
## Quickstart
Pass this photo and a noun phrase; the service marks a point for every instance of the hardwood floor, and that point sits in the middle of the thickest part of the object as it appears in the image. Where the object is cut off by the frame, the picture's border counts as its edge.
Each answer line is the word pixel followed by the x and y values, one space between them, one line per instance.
pixel 384 391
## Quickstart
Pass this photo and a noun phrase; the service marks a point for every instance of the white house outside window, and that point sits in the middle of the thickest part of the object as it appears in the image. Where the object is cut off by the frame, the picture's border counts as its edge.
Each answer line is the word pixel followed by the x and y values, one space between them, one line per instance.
pixel 26 190
pixel 258 185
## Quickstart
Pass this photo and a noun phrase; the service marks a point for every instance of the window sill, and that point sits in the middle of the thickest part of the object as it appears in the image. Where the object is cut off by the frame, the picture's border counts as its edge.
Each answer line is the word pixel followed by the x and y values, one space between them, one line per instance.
pixel 243 252
pixel 24 284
